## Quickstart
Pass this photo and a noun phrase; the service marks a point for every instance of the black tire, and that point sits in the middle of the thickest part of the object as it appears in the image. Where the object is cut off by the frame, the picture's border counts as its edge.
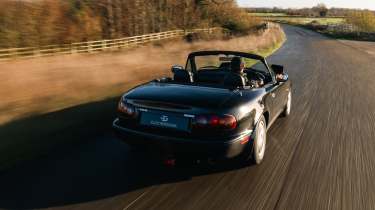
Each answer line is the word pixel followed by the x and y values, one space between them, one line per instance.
pixel 260 134
pixel 252 153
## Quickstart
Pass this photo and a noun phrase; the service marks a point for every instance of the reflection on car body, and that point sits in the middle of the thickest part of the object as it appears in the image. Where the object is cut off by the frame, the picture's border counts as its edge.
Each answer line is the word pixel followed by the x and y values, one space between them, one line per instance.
pixel 197 114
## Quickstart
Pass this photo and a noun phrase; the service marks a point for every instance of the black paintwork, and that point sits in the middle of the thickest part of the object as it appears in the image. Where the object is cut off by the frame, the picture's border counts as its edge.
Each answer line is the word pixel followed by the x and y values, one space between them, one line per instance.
pixel 166 96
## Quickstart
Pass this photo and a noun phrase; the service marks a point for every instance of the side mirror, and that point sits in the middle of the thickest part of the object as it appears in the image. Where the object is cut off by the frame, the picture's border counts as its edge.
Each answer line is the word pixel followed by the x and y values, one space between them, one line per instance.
pixel 280 75
pixel 282 78
pixel 177 68
pixel 278 69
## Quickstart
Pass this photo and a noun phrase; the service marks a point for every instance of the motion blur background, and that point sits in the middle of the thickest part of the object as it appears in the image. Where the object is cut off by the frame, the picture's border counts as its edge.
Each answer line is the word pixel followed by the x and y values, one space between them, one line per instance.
pixel 39 85
pixel 26 23
pixel 43 22
pixel 59 92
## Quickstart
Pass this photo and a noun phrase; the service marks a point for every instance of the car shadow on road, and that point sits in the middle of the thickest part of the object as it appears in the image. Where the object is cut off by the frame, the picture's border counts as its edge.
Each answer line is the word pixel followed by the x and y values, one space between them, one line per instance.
pixel 85 163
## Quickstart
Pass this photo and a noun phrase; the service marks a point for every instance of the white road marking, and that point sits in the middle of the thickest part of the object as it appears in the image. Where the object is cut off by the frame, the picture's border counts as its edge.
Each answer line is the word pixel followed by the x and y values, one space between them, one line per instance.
pixel 139 197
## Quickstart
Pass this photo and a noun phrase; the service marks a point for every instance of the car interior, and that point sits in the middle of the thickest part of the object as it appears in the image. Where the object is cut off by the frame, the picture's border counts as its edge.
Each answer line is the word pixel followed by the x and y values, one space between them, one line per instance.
pixel 183 76
pixel 222 76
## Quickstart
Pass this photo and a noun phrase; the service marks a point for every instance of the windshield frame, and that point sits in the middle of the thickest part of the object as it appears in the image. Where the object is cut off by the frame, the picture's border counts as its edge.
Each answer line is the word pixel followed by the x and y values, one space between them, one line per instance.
pixel 193 68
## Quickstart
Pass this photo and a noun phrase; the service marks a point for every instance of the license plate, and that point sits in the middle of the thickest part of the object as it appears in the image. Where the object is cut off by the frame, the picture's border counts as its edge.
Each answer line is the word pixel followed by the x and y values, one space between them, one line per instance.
pixel 164 121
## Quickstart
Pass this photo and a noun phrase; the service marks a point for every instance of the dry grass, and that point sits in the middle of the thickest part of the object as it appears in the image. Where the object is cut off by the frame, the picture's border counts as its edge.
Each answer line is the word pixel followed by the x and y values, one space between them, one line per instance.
pixel 37 86
pixel 308 20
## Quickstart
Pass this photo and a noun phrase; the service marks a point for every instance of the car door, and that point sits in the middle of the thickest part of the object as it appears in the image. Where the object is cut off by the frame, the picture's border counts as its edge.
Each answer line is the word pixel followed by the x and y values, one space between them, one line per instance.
pixel 280 93
pixel 273 95
pixel 280 96
pixel 272 99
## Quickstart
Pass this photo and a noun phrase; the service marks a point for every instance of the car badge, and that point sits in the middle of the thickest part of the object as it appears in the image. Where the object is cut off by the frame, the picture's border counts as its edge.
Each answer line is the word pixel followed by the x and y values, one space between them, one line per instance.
pixel 164 118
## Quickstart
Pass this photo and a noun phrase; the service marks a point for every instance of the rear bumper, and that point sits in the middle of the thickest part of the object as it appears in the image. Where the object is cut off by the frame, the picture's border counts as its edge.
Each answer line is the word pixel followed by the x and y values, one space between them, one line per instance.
pixel 178 147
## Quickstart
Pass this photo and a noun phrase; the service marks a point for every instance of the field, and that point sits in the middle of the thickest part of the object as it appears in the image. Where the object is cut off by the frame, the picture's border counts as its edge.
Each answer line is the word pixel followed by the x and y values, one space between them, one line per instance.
pixel 307 20
pixel 282 17
pixel 268 14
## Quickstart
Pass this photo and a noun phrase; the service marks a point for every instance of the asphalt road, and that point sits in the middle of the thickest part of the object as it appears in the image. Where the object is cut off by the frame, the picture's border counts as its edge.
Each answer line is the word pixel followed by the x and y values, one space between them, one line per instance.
pixel 321 157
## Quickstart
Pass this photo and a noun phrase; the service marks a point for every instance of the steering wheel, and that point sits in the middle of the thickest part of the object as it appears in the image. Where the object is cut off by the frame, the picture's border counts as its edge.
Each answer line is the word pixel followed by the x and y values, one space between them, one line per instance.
pixel 253 75
pixel 260 76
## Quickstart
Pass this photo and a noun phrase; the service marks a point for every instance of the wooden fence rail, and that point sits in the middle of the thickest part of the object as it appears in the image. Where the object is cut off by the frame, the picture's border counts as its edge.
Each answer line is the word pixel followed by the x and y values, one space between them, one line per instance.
pixel 95 46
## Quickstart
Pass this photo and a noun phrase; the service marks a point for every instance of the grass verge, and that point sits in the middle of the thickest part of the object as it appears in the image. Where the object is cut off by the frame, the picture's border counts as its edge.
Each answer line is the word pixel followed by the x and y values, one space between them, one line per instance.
pixel 269 50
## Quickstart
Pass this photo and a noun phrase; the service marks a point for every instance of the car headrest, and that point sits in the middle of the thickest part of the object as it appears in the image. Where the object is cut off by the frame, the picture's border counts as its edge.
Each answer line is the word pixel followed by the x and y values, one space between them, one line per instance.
pixel 234 80
pixel 235 64
pixel 226 66
pixel 183 76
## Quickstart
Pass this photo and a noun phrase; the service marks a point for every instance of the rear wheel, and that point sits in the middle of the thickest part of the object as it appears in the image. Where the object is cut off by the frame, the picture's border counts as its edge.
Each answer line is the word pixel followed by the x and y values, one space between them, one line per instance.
pixel 260 139
pixel 255 150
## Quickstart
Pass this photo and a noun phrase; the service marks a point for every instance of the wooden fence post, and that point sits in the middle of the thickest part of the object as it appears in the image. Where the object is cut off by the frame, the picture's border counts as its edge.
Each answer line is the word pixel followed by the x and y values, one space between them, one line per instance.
pixel 73 48
pixel 14 53
pixel 89 47
pixel 36 52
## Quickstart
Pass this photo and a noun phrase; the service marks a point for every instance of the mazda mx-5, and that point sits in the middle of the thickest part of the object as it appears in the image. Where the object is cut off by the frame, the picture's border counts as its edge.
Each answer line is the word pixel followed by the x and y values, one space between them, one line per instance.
pixel 220 105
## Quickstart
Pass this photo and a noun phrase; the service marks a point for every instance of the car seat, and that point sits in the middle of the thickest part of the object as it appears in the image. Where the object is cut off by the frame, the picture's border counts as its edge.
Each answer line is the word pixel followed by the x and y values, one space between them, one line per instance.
pixel 234 80
pixel 182 76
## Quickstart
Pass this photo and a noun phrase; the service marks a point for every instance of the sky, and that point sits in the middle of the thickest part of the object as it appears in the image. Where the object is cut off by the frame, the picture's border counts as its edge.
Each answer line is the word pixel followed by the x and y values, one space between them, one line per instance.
pixel 360 4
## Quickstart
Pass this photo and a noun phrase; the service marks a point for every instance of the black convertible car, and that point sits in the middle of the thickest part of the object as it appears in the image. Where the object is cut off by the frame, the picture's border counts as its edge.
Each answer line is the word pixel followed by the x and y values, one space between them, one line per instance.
pixel 201 114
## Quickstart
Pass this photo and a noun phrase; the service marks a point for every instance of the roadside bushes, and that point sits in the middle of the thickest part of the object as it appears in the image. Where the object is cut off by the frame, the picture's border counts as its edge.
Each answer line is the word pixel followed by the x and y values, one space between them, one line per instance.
pixel 364 20
pixel 241 24
pixel 53 22
pixel 359 25
pixel 316 26
pixel 228 15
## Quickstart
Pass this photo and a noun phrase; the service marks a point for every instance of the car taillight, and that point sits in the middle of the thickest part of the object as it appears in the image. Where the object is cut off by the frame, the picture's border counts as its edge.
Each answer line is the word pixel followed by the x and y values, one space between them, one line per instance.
pixel 215 121
pixel 228 121
pixel 126 110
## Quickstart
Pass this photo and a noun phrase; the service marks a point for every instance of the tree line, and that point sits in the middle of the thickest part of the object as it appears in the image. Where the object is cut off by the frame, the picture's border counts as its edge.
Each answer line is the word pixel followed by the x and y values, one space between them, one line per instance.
pixel 26 23
pixel 363 20
pixel 320 10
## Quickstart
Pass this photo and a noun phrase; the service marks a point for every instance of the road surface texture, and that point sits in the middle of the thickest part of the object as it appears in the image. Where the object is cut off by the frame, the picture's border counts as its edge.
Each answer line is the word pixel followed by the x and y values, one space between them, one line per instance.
pixel 321 157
